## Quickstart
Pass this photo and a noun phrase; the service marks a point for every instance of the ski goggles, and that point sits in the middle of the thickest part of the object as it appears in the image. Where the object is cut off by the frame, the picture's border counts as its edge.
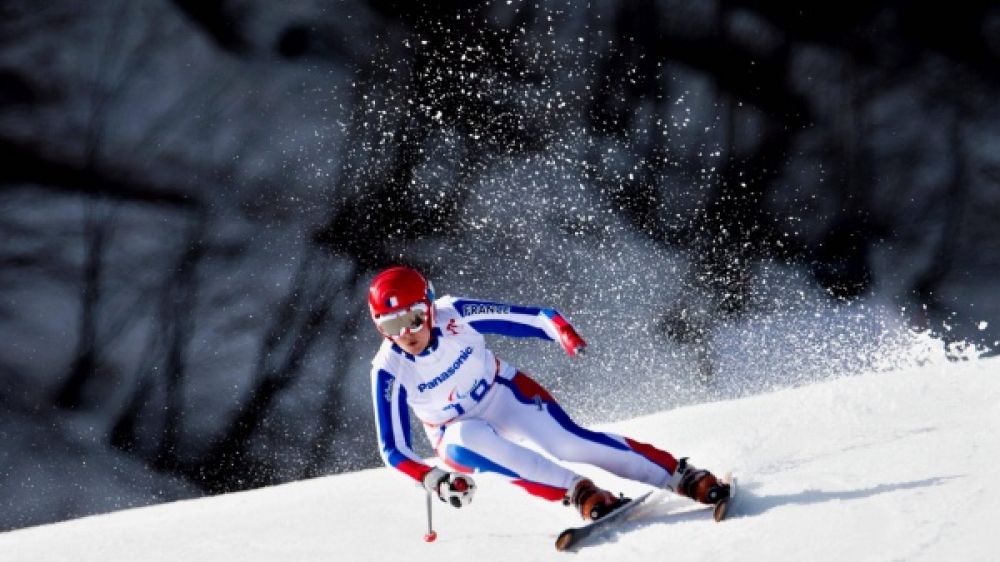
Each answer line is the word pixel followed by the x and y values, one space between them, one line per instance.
pixel 412 319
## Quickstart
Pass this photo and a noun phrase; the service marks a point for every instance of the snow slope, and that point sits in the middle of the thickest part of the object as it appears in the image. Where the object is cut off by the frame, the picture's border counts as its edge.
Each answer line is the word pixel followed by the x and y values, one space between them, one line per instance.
pixel 890 466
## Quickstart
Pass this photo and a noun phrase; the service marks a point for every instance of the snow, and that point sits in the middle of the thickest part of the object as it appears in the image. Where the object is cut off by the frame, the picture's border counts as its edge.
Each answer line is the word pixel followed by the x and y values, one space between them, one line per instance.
pixel 883 466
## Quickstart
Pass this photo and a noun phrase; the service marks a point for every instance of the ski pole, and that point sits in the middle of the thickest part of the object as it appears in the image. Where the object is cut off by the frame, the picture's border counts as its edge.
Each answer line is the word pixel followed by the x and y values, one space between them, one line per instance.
pixel 431 533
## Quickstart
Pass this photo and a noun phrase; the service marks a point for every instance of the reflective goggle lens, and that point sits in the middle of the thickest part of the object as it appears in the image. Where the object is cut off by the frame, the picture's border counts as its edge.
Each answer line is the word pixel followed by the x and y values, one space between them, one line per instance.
pixel 397 323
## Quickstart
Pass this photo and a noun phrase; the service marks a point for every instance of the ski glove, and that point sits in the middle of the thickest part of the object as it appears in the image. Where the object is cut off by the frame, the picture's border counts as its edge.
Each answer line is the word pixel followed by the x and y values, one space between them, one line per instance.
pixel 451 487
pixel 571 341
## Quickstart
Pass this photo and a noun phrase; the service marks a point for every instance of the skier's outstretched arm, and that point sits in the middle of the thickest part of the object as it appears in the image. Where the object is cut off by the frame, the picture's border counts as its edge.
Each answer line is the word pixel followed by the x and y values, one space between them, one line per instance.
pixel 487 317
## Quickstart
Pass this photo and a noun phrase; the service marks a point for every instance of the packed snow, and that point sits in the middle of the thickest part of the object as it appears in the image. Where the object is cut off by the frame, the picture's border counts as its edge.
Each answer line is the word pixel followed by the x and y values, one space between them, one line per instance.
pixel 885 466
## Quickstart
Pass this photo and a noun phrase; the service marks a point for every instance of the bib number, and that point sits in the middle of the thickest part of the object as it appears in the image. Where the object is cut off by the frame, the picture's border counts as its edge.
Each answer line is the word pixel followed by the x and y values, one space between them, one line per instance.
pixel 477 393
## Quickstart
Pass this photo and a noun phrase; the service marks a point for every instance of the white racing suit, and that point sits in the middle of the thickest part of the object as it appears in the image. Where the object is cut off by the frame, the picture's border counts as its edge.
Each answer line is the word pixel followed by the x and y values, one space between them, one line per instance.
pixel 476 408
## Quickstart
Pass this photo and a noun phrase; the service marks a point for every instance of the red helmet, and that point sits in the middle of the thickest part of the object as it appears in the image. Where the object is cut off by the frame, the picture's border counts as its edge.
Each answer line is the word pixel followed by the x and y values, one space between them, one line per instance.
pixel 398 288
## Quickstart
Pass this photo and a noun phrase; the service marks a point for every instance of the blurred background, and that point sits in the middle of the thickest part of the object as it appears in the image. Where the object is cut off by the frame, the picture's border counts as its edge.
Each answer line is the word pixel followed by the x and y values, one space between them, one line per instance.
pixel 723 196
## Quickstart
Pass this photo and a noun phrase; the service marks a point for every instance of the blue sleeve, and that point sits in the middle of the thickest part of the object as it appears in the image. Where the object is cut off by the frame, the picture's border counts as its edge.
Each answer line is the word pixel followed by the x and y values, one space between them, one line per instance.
pixel 509 320
pixel 392 418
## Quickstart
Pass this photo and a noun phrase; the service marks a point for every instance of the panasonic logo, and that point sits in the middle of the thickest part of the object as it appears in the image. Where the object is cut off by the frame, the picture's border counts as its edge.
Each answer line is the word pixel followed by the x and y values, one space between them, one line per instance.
pixel 462 357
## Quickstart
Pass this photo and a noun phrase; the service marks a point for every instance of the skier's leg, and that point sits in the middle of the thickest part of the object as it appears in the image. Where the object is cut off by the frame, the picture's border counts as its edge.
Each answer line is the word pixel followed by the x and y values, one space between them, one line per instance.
pixel 530 412
pixel 474 445
pixel 535 415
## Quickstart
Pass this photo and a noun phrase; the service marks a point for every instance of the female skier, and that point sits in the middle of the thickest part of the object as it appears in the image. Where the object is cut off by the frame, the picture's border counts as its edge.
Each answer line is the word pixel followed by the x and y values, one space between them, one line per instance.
pixel 475 407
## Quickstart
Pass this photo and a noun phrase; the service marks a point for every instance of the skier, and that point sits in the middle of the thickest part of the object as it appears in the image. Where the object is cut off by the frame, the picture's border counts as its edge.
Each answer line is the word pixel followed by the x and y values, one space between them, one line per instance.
pixel 475 407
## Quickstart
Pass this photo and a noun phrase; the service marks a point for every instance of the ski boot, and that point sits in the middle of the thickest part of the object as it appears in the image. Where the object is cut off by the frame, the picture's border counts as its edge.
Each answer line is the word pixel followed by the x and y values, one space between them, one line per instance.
pixel 699 484
pixel 593 502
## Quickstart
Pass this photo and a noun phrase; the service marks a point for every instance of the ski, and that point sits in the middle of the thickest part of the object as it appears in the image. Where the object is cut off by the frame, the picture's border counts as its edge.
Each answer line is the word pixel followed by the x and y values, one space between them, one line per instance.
pixel 574 537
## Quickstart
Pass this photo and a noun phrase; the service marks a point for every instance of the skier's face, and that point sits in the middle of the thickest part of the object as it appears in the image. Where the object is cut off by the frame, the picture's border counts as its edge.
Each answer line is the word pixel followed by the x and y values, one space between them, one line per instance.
pixel 414 342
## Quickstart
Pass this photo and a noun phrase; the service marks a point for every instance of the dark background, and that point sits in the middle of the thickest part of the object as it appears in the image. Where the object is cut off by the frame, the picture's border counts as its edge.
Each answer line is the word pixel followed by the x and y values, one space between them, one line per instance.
pixel 724 196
